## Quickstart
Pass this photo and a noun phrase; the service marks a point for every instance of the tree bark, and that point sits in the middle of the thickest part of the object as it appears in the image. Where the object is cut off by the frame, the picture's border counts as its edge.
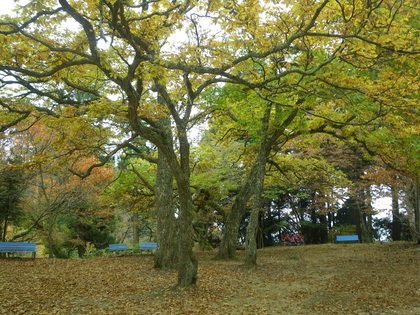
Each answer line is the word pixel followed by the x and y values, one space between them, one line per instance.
pixel 257 203
pixel 50 240
pixel 135 228
pixel 227 247
pixel 228 244
pixel 187 270
pixel 188 264
pixel 414 198
pixel 180 168
pixel 5 230
pixel 251 233
pixel 396 220
pixel 167 254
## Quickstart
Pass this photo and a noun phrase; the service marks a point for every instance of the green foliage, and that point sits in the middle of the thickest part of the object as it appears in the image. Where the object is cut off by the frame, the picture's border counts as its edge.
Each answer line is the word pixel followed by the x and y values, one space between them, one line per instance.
pixel 314 233
pixel 383 229
pixel 12 185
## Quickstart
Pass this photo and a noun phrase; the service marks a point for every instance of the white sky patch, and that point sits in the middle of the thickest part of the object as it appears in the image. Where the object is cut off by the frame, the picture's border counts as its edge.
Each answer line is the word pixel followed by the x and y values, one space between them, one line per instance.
pixel 7 6
pixel 383 206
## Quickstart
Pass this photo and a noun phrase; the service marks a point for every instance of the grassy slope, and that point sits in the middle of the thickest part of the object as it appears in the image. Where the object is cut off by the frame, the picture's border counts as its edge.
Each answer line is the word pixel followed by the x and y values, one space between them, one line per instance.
pixel 321 279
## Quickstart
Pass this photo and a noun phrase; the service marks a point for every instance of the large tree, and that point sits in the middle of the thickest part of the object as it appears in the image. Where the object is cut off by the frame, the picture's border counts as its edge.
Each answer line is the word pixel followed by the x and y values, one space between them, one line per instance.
pixel 96 61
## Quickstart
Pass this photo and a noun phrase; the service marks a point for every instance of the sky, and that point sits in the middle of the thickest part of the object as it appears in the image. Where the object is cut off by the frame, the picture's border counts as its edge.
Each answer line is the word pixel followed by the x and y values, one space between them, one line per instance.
pixel 6 6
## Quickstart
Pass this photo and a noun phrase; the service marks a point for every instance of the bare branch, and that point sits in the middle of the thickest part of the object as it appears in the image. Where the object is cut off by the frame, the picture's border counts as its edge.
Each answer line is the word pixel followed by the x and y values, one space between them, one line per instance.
pixel 143 179
pixel 105 160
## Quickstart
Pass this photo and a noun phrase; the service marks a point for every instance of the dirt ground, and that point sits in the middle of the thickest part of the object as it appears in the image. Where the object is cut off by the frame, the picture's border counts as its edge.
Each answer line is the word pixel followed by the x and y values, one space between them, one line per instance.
pixel 316 279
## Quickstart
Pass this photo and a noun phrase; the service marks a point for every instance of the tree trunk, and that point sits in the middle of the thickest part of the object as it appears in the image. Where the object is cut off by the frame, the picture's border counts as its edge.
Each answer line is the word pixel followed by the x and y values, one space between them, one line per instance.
pixel 364 232
pixel 167 254
pixel 414 200
pixel 188 264
pixel 257 203
pixel 251 233
pixel 369 213
pixel 227 247
pixel 417 209
pixel 180 168
pixel 5 230
pixel 370 224
pixel 135 228
pixel 324 231
pixel 187 271
pixel 396 220
pixel 228 244
pixel 50 241
pixel 260 230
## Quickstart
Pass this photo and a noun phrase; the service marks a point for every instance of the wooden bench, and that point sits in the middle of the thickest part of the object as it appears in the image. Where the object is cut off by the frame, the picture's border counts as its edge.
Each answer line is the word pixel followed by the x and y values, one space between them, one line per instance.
pixel 148 246
pixel 347 238
pixel 15 247
pixel 117 247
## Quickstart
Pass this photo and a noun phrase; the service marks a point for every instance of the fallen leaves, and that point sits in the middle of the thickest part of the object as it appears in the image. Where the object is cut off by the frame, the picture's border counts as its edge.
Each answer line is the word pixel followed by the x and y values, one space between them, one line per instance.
pixel 320 279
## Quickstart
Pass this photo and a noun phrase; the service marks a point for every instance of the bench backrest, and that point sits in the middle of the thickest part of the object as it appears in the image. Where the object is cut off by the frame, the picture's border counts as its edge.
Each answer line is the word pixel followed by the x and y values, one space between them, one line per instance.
pixel 17 247
pixel 148 246
pixel 347 238
pixel 116 247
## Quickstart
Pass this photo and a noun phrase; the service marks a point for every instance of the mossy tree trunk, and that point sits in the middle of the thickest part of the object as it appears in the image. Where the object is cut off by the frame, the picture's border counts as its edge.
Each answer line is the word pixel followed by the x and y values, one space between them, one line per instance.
pixel 167 254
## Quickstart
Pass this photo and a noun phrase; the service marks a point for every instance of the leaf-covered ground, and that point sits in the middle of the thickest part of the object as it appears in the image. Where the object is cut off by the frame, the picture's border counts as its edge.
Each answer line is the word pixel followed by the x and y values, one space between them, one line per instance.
pixel 319 279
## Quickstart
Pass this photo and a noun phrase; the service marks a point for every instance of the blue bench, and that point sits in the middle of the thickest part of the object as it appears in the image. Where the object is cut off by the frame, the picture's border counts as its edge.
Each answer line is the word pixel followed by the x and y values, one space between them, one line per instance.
pixel 117 247
pixel 148 246
pixel 347 238
pixel 15 247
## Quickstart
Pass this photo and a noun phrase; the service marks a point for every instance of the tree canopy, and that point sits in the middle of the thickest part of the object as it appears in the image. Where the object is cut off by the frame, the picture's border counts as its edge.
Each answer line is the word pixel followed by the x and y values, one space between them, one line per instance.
pixel 109 75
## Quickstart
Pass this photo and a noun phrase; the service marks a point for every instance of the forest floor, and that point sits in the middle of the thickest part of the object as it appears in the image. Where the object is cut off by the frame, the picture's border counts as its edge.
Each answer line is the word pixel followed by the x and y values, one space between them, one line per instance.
pixel 313 279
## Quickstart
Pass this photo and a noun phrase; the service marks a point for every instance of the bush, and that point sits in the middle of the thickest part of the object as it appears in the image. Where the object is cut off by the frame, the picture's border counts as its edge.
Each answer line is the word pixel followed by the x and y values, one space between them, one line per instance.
pixel 314 233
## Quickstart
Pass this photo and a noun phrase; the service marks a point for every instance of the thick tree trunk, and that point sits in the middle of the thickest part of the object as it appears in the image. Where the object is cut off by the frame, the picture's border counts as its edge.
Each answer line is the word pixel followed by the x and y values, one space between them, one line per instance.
pixel 257 202
pixel 228 244
pixel 187 264
pixel 187 271
pixel 364 232
pixel 167 254
pixel 227 247
pixel 251 233
pixel 396 220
